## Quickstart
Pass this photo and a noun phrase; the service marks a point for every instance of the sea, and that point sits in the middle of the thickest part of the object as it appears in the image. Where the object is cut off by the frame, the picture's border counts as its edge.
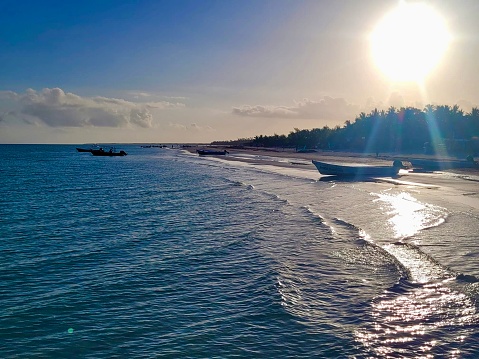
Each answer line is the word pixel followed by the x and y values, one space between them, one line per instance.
pixel 165 254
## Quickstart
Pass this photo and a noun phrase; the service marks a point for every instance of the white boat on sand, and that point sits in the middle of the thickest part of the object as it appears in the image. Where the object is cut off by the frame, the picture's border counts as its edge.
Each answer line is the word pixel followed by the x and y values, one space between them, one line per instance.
pixel 358 170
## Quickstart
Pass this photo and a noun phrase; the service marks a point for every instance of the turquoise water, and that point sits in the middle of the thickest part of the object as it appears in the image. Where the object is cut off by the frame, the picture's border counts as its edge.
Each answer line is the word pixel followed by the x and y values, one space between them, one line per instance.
pixel 165 254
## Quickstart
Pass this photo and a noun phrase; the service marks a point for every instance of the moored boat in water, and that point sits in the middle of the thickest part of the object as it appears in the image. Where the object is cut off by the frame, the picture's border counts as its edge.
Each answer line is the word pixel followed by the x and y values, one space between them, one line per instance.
pixel 358 170
pixel 83 149
pixel 110 153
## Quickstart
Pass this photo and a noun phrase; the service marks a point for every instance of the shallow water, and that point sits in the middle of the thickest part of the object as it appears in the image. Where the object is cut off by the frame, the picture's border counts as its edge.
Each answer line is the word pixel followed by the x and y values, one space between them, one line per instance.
pixel 162 253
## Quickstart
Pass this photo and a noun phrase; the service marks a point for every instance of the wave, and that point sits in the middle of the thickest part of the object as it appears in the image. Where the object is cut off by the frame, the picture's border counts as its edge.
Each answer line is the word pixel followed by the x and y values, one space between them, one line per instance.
pixel 424 313
pixel 412 266
pixel 358 269
pixel 429 300
pixel 314 214
pixel 421 267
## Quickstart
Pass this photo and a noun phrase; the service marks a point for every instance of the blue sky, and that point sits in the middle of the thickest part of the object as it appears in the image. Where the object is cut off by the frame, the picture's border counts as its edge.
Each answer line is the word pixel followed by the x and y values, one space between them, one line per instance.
pixel 152 45
pixel 198 71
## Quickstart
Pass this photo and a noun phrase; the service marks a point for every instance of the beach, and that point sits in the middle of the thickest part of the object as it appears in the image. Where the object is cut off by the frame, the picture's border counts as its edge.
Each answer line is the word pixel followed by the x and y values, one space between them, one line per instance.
pixel 459 186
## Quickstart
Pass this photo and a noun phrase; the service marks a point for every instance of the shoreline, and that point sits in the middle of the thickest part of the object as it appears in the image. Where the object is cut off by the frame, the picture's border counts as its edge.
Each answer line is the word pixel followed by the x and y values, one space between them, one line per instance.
pixel 289 155
pixel 455 186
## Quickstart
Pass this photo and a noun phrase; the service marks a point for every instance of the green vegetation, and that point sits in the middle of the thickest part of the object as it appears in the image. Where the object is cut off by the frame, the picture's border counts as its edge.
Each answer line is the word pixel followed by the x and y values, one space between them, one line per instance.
pixel 404 130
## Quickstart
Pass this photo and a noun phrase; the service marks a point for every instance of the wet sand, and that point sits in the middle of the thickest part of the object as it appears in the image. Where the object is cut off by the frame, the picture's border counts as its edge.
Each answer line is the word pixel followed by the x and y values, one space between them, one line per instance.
pixel 456 186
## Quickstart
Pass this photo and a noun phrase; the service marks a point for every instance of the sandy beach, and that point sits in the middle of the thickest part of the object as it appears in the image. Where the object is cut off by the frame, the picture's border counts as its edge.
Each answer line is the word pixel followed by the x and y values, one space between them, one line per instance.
pixel 457 186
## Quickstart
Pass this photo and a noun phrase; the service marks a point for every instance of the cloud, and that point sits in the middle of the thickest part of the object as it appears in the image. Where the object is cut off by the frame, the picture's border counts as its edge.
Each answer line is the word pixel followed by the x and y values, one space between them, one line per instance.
pixel 139 94
pixel 151 96
pixel 192 127
pixel 265 111
pixel 4 115
pixel 141 117
pixel 327 108
pixel 57 108
pixel 10 95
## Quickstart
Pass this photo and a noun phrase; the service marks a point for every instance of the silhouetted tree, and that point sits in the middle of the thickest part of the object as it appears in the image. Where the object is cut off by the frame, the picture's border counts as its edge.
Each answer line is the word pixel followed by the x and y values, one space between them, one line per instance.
pixel 396 130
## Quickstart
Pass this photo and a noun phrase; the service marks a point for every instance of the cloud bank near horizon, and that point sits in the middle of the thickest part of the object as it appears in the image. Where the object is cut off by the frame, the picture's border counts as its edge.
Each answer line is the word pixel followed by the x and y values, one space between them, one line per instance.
pixel 332 109
pixel 327 108
pixel 56 108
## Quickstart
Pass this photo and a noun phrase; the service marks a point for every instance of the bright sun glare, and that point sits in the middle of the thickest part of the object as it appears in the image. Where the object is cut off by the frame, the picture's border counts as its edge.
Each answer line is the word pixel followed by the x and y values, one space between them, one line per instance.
pixel 409 42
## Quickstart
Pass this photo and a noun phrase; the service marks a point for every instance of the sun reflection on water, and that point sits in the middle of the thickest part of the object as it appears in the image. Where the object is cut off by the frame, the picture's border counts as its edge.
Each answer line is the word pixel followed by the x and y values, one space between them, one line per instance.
pixel 429 312
pixel 408 216
pixel 419 321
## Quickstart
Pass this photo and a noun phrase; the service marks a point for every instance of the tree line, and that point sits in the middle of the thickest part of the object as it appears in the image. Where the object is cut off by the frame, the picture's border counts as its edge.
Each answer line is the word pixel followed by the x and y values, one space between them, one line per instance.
pixel 403 130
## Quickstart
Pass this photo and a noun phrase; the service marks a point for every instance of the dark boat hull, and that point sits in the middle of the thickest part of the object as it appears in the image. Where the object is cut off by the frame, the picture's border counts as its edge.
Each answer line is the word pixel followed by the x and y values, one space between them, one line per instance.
pixel 107 153
pixel 211 153
pixel 83 149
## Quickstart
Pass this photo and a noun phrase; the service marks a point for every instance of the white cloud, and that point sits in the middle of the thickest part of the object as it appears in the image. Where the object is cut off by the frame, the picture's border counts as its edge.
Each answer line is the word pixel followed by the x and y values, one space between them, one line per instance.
pixel 192 127
pixel 327 108
pixel 10 95
pixel 139 94
pixel 177 126
pixel 141 117
pixel 4 115
pixel 266 111
pixel 153 96
pixel 56 108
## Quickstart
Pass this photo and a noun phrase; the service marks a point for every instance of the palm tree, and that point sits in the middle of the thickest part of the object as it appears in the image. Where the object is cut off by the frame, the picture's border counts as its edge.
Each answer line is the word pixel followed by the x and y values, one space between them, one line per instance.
pixel 456 116
pixel 473 129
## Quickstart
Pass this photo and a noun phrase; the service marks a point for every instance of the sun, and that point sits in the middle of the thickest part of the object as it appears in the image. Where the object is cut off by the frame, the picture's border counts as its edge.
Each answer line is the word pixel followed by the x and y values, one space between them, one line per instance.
pixel 408 43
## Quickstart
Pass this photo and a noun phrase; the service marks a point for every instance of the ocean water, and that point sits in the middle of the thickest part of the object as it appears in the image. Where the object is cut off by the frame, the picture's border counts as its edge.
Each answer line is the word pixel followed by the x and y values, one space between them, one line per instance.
pixel 165 254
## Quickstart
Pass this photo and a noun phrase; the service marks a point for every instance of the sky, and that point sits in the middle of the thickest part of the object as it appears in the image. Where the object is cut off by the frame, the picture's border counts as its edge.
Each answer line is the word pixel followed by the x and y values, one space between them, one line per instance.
pixel 196 71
